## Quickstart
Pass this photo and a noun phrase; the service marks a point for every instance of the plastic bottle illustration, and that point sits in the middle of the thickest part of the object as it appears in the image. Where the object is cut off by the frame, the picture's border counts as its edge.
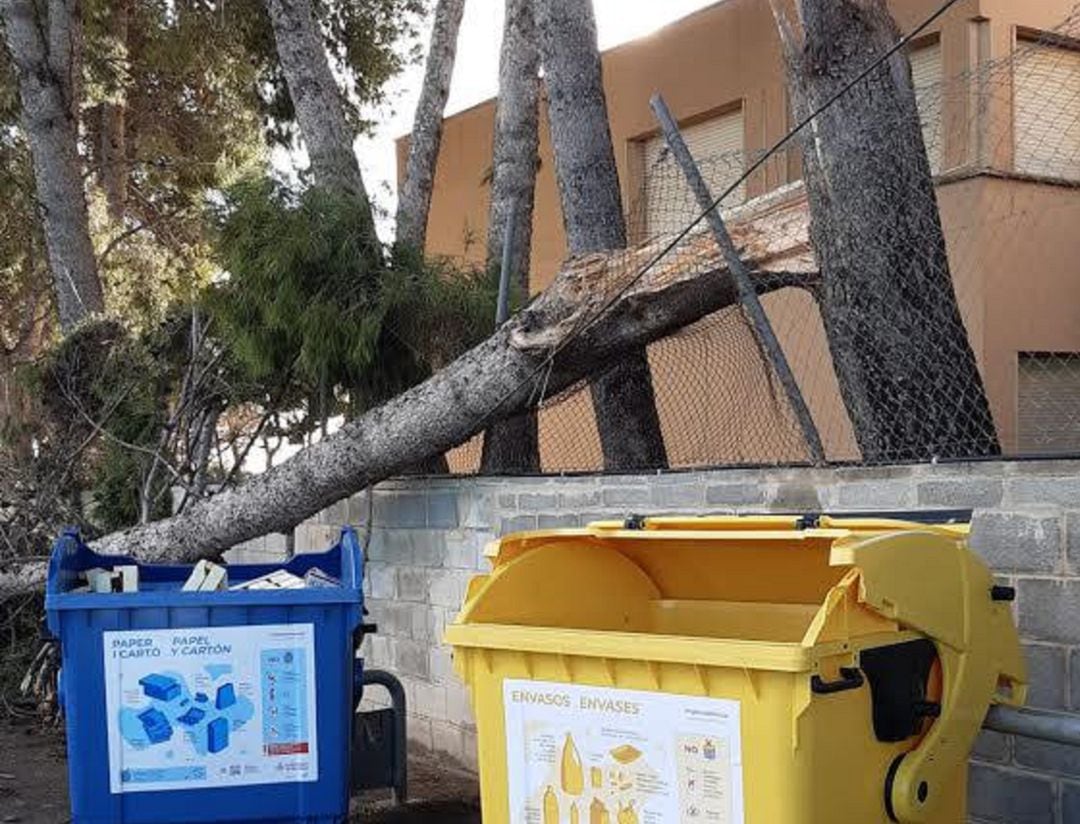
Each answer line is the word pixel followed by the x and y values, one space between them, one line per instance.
pixel 573 775
pixel 627 815
pixel 551 806
pixel 598 813
pixel 596 776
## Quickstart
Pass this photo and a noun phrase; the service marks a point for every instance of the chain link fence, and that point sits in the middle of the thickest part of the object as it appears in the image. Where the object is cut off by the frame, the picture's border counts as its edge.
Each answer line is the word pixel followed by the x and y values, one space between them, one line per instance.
pixel 1000 313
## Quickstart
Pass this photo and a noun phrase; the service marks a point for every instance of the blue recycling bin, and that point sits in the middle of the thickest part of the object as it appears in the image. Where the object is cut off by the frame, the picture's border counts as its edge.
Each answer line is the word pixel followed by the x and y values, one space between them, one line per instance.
pixel 187 707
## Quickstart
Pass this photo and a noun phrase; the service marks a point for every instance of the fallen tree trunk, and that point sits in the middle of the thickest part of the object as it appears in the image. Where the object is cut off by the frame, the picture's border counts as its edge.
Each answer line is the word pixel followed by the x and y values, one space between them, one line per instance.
pixel 567 334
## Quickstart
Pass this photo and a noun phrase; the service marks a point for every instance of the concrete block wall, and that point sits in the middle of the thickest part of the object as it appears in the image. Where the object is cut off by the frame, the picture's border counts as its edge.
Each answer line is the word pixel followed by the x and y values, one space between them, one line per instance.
pixel 307 537
pixel 428 536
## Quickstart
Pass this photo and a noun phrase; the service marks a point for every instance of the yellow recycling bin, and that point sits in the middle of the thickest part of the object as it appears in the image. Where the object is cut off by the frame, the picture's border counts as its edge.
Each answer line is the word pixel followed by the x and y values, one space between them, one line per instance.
pixel 754 670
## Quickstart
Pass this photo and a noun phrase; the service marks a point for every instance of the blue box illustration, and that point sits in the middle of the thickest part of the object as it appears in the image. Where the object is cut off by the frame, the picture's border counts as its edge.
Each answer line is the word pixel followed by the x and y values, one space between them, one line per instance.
pixel 156 725
pixel 217 734
pixel 226 696
pixel 104 792
pixel 192 717
pixel 160 687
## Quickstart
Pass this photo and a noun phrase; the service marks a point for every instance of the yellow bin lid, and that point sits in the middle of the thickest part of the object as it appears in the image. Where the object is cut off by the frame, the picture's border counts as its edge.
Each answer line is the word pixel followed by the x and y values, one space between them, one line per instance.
pixel 776 579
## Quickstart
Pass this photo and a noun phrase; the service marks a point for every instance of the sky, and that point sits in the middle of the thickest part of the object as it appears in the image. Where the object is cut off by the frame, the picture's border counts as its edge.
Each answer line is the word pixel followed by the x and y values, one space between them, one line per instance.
pixel 476 75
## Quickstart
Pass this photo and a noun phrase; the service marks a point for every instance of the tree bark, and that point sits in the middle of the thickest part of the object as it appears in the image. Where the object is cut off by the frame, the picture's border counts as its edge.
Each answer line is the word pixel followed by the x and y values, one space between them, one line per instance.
pixel 623 398
pixel 907 372
pixel 414 199
pixel 517 142
pixel 112 169
pixel 64 45
pixel 112 141
pixel 44 52
pixel 316 98
pixel 512 445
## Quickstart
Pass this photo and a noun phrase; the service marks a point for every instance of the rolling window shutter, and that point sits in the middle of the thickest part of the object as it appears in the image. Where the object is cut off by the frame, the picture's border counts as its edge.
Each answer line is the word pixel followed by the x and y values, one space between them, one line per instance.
pixel 718 147
pixel 1046 111
pixel 1048 404
pixel 926 76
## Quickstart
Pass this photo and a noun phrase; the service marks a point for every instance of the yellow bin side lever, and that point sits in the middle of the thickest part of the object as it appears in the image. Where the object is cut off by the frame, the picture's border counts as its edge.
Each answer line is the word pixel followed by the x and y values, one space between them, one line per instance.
pixel 929 582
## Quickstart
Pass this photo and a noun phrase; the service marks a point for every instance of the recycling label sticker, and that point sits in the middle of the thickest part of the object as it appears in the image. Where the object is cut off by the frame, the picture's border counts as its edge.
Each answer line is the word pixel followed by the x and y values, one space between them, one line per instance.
pixel 612 756
pixel 210 707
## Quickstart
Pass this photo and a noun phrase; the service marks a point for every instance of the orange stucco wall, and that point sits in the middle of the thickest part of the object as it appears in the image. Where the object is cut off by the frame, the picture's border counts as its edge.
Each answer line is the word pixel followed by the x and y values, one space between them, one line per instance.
pixel 1012 243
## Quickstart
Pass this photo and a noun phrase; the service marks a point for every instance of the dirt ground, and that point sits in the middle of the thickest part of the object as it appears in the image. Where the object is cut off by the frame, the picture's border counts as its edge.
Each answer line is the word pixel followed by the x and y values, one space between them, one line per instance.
pixel 33 785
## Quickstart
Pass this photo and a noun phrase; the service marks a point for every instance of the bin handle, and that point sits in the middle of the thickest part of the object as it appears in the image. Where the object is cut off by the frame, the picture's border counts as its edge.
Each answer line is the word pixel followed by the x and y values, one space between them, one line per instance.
pixel 851 678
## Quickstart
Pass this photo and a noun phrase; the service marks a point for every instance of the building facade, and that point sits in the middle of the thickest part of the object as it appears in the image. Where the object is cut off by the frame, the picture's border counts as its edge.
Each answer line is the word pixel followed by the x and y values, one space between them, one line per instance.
pixel 998 85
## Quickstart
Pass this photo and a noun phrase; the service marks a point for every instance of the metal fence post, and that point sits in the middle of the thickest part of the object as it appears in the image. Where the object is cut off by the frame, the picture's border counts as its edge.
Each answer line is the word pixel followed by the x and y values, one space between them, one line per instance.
pixel 747 293
pixel 502 310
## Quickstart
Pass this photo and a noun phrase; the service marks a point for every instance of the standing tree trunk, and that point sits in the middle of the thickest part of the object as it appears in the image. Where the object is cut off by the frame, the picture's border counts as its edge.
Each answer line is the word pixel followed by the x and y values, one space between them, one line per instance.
pixel 906 369
pixel 414 200
pixel 512 445
pixel 45 55
pixel 517 141
pixel 414 197
pixel 112 140
pixel 64 45
pixel 112 169
pixel 623 399
pixel 316 99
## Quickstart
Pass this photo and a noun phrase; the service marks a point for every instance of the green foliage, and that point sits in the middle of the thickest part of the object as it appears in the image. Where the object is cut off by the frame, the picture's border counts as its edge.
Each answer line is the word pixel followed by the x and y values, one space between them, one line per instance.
pixel 194 89
pixel 444 308
pixel 369 42
pixel 372 40
pixel 101 378
pixel 294 266
pixel 187 94
pixel 200 91
pixel 185 117
pixel 312 311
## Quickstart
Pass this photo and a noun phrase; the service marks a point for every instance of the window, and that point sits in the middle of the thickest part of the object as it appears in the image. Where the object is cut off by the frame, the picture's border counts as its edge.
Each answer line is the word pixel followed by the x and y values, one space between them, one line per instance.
pixel 717 145
pixel 1048 403
pixel 926 76
pixel 1046 111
